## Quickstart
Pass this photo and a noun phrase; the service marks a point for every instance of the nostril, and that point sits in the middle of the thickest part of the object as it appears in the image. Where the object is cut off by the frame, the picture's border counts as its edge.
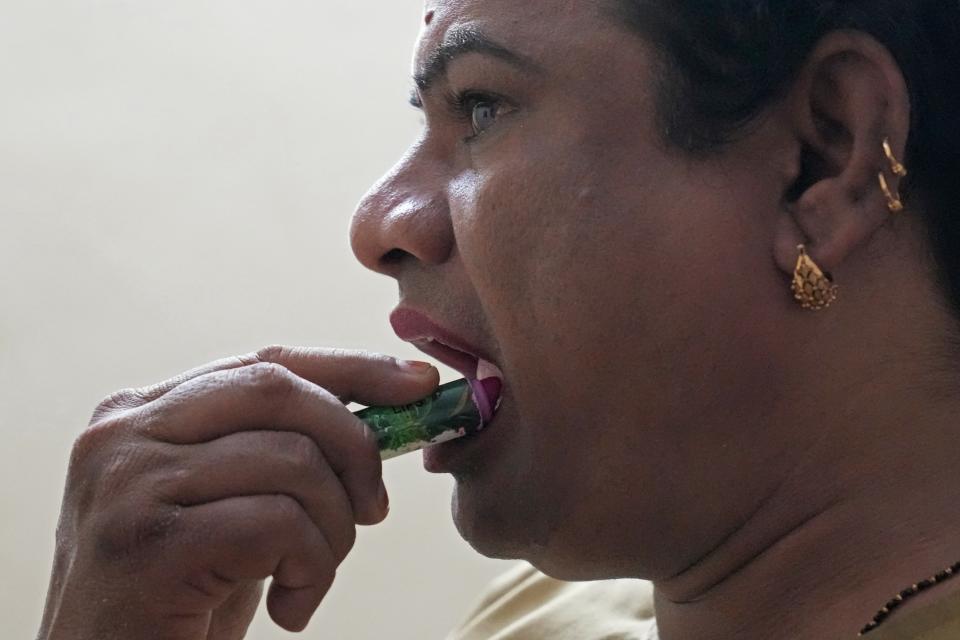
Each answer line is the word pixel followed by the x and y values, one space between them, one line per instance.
pixel 394 256
pixel 394 226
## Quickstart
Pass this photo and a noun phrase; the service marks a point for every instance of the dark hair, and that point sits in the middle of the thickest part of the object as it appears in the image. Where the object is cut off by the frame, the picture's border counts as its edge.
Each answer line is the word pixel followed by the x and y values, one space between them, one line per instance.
pixel 726 60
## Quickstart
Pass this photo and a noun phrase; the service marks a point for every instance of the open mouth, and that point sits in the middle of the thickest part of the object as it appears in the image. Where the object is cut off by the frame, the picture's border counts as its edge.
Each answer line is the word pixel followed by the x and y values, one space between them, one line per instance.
pixel 486 379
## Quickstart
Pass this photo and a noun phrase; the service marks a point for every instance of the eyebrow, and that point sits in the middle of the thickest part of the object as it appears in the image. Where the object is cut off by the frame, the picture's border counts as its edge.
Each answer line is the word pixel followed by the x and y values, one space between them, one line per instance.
pixel 459 42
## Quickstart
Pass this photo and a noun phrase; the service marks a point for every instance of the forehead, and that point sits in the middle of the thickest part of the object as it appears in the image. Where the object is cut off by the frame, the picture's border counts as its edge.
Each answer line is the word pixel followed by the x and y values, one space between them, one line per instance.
pixel 532 27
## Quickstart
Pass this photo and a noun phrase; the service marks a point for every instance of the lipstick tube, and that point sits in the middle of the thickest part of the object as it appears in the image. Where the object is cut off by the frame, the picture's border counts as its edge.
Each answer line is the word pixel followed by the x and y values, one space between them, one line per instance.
pixel 453 411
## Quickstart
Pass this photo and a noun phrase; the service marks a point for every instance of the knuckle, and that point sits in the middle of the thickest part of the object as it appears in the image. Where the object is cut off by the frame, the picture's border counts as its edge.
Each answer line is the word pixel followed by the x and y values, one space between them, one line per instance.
pixel 83 485
pixel 272 380
pixel 93 440
pixel 117 401
pixel 301 451
pixel 360 357
pixel 339 353
pixel 149 393
pixel 287 511
pixel 272 353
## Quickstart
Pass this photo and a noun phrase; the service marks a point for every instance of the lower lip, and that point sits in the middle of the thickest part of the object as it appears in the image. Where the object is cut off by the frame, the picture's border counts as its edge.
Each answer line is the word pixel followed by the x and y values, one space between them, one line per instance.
pixel 457 454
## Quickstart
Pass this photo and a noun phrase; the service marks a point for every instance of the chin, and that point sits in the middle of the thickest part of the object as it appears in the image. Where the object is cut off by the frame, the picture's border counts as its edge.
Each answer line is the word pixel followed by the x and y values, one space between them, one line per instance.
pixel 508 529
pixel 490 525
pixel 575 569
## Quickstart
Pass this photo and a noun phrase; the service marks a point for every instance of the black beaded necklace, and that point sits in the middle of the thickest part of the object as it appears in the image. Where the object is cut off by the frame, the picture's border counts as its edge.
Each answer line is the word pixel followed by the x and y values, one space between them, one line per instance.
pixel 907 593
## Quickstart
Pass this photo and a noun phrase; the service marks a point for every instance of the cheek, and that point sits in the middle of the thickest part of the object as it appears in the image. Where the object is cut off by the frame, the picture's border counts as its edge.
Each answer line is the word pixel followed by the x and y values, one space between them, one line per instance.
pixel 613 284
pixel 545 244
pixel 599 274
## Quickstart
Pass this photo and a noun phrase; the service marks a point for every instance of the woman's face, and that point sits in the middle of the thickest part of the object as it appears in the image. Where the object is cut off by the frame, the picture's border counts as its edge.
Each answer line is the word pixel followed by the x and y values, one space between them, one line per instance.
pixel 627 292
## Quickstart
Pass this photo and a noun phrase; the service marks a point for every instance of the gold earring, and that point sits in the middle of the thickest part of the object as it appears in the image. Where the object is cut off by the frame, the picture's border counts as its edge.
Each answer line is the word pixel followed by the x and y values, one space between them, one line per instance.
pixel 895 166
pixel 812 288
pixel 894 203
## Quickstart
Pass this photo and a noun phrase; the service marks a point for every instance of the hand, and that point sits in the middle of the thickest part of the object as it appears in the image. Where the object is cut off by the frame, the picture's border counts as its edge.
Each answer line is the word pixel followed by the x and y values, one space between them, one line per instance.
pixel 183 497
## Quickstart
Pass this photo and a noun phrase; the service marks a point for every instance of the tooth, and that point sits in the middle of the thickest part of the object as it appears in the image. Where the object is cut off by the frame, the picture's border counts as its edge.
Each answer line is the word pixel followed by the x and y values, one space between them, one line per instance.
pixel 488 370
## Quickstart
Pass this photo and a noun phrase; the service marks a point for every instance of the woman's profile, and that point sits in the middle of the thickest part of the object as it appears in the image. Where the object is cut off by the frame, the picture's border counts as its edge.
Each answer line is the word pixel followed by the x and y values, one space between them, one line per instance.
pixel 713 251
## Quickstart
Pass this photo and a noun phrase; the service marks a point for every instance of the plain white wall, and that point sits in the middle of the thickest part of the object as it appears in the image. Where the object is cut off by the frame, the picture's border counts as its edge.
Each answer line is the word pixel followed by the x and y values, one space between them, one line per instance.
pixel 176 184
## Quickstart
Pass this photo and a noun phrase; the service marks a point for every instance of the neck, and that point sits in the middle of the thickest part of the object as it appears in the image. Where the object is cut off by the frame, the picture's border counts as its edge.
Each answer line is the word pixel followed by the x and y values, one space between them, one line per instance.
pixel 849 527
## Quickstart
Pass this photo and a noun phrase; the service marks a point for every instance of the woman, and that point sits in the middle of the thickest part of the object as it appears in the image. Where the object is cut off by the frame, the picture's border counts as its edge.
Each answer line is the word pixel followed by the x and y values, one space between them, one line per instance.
pixel 711 248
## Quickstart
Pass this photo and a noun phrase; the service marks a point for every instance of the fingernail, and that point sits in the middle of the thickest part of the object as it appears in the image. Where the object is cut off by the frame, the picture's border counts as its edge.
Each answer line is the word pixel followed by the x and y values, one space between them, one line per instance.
pixel 415 366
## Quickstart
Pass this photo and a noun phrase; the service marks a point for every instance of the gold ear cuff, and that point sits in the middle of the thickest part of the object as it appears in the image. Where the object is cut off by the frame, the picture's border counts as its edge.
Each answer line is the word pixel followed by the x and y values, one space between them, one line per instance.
pixel 894 203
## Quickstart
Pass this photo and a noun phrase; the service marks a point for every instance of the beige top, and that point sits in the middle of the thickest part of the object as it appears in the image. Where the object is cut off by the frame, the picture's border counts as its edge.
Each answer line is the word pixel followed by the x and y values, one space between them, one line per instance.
pixel 524 604
pixel 939 620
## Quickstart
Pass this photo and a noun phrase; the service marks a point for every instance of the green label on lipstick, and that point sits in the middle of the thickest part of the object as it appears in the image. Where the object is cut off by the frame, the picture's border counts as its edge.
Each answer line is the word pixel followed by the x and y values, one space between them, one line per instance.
pixel 448 414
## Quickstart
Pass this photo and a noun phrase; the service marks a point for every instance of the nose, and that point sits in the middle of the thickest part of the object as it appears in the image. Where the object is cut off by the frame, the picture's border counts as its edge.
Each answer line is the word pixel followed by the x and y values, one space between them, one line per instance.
pixel 404 217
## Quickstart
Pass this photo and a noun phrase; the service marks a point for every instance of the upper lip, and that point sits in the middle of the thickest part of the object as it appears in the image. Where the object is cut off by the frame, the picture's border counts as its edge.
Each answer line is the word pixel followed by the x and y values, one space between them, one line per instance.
pixel 436 341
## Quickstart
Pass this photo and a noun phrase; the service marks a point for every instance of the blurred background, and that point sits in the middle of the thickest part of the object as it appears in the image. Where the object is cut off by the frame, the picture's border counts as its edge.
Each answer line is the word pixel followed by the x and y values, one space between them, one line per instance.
pixel 176 184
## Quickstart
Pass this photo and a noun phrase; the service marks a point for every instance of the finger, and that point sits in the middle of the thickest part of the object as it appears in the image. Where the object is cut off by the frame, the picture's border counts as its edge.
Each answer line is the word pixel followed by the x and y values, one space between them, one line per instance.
pixel 267 463
pixel 268 397
pixel 358 376
pixel 132 398
pixel 292 609
pixel 255 537
pixel 361 376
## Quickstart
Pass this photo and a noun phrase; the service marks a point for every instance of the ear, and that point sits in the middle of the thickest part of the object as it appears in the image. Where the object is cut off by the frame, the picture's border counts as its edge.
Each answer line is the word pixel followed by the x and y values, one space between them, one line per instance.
pixel 848 97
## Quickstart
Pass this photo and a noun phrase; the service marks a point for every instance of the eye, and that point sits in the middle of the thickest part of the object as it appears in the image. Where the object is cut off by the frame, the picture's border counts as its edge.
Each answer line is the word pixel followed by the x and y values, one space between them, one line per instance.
pixel 479 110
pixel 483 115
